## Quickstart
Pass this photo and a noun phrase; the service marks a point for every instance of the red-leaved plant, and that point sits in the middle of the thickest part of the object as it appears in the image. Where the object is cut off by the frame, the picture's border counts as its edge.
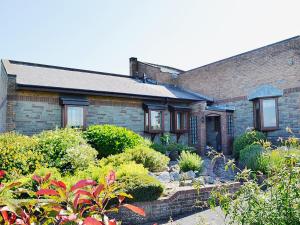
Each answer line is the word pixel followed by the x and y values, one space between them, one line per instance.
pixel 86 203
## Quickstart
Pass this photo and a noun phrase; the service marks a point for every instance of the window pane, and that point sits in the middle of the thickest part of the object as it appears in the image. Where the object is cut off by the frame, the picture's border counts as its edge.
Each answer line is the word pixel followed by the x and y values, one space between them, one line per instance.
pixel 184 121
pixel 75 116
pixel 178 124
pixel 269 113
pixel 156 118
pixel 146 121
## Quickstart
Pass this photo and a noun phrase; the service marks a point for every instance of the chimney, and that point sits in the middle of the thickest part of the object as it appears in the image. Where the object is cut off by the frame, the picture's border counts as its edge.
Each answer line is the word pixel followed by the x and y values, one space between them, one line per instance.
pixel 133 67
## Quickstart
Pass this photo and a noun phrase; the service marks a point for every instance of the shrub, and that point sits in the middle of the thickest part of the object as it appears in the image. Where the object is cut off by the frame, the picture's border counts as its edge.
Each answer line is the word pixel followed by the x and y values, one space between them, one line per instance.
pixel 54 145
pixel 110 139
pixel 190 161
pixel 159 147
pixel 149 158
pixel 245 139
pixel 18 154
pixel 250 156
pixel 79 157
pixel 115 160
pixel 131 168
pixel 141 187
pixel 274 160
pixel 276 201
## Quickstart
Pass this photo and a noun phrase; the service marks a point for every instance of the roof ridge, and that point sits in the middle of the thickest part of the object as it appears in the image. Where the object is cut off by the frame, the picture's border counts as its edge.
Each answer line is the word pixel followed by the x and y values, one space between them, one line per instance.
pixel 244 53
pixel 66 68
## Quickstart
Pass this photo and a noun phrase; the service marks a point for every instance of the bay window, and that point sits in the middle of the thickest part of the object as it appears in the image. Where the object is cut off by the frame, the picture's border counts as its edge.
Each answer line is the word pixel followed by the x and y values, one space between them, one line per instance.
pixel 154 121
pixel 265 114
pixel 154 118
pixel 179 119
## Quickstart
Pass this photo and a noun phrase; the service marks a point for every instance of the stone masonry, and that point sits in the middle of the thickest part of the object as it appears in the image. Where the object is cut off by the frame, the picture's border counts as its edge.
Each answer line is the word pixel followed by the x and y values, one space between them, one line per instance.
pixel 3 99
pixel 32 112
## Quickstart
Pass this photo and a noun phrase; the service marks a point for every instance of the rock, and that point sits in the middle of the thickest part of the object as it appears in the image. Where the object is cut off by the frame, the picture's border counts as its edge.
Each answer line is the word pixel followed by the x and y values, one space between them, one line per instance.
pixel 186 183
pixel 164 177
pixel 209 180
pixel 199 180
pixel 151 174
pixel 190 175
pixel 174 176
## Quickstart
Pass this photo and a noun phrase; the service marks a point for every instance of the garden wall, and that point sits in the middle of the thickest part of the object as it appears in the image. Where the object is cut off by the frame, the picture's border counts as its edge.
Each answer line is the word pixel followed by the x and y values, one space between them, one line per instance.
pixel 183 201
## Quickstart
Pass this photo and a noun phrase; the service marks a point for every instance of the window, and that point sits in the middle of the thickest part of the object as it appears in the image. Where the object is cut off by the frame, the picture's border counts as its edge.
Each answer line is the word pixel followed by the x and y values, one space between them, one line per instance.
pixel 154 121
pixel 75 117
pixel 230 125
pixel 179 121
pixel 265 114
pixel 194 130
pixel 74 110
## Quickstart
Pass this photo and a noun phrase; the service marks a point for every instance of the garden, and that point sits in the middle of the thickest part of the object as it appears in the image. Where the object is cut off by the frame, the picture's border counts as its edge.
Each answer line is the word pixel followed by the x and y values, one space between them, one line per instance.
pixel 72 176
pixel 69 176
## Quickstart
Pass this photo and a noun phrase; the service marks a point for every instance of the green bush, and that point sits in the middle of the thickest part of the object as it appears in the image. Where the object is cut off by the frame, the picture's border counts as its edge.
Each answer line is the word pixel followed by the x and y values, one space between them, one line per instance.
pixel 79 157
pixel 171 147
pixel 159 147
pixel 148 157
pixel 54 144
pixel 18 154
pixel 190 161
pixel 250 156
pixel 110 139
pixel 274 160
pixel 246 139
pixel 115 160
pixel 141 187
pixel 131 168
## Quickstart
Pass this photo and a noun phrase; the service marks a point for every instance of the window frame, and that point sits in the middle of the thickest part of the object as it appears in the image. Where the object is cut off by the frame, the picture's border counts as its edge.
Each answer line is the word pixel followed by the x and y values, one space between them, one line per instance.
pixel 65 115
pixel 173 121
pixel 259 124
pixel 148 118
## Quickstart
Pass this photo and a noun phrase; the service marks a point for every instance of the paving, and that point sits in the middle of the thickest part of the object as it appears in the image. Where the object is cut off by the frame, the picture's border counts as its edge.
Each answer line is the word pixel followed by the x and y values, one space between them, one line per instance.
pixel 206 217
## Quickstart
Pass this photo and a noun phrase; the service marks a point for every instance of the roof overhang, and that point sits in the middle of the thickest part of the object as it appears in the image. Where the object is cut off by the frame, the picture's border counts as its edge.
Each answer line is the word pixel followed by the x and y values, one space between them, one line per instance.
pixel 99 93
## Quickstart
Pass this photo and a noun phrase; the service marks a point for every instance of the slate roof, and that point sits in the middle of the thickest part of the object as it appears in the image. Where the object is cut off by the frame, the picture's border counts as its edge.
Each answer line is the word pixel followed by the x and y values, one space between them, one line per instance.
pixel 265 90
pixel 62 78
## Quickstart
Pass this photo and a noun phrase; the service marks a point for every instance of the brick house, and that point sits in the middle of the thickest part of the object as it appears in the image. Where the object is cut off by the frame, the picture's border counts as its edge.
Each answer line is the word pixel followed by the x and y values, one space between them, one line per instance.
pixel 205 106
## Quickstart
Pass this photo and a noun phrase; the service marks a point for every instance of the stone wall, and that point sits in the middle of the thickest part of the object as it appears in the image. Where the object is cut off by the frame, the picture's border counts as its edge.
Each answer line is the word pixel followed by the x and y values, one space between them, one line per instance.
pixel 3 99
pixel 32 112
pixel 288 109
pixel 183 201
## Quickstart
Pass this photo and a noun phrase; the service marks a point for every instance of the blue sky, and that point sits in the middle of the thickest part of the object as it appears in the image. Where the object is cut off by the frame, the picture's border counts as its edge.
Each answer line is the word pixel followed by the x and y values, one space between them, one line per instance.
pixel 102 35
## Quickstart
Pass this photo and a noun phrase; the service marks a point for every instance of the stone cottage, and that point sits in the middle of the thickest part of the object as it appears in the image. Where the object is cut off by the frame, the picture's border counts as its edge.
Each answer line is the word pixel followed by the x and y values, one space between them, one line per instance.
pixel 205 106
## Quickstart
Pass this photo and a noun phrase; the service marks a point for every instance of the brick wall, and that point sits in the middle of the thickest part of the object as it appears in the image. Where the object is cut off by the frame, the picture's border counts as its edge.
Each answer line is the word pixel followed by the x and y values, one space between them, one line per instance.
pixel 183 201
pixel 138 69
pixel 277 64
pixel 230 81
pixel 3 99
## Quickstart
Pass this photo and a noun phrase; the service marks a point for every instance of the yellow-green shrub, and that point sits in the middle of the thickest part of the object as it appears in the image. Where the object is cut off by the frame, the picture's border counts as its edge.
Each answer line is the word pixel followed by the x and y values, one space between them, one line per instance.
pixel 54 144
pixel 19 154
pixel 148 157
